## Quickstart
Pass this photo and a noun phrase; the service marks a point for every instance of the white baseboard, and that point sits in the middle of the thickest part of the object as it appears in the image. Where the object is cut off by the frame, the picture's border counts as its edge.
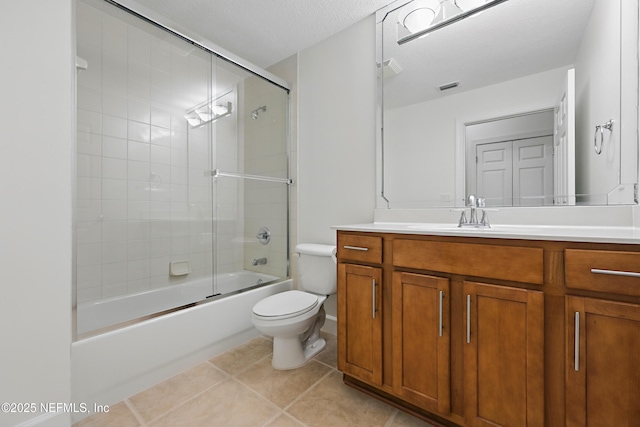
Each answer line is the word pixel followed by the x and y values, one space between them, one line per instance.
pixel 331 325
pixel 53 419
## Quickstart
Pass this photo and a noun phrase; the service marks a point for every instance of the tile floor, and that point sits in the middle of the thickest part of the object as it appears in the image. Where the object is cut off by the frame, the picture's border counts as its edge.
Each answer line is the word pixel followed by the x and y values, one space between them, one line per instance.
pixel 240 388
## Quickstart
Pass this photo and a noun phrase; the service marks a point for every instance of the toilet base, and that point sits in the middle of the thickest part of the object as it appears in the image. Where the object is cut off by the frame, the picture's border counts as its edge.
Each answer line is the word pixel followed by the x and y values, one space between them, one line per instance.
pixel 289 353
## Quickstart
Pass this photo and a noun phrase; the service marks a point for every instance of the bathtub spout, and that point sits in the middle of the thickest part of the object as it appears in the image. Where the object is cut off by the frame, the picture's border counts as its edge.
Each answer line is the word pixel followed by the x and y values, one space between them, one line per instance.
pixel 259 261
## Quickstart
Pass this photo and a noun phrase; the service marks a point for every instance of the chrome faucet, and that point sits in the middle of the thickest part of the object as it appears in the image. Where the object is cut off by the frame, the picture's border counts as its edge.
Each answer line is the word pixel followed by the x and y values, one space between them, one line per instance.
pixel 474 203
pixel 259 261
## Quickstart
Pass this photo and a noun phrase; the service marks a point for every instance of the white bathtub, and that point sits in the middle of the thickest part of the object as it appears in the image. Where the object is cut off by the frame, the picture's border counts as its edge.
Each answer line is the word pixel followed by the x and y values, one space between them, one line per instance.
pixel 115 365
pixel 99 314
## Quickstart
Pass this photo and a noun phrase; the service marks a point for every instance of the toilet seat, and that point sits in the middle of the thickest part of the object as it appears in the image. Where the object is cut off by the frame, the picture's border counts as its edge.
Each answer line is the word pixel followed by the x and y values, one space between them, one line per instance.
pixel 285 305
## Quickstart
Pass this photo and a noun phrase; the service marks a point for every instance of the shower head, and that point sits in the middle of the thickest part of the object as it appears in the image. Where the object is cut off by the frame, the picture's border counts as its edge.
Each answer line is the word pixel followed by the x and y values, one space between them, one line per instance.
pixel 256 112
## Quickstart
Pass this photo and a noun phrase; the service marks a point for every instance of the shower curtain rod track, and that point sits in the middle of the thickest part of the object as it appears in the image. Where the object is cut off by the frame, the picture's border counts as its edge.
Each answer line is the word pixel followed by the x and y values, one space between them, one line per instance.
pixel 193 42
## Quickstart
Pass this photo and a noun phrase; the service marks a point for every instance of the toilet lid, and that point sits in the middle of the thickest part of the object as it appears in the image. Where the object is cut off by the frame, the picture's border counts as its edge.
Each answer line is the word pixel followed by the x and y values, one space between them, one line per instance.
pixel 285 304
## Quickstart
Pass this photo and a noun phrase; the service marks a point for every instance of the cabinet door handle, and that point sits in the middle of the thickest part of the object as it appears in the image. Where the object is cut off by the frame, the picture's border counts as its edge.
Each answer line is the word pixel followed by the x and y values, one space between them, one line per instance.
pixel 440 315
pixel 615 272
pixel 576 343
pixel 356 248
pixel 373 298
pixel 468 319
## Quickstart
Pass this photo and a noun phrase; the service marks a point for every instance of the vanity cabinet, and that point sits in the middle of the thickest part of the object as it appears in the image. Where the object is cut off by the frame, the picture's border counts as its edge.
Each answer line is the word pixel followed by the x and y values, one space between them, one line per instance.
pixel 602 339
pixel 360 308
pixel 360 322
pixel 421 340
pixel 602 364
pixel 503 356
pixel 471 331
pixel 462 335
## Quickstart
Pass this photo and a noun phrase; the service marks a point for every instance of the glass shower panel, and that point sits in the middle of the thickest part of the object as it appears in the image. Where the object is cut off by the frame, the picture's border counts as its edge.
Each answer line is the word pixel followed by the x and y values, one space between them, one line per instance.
pixel 143 203
pixel 251 187
pixel 182 172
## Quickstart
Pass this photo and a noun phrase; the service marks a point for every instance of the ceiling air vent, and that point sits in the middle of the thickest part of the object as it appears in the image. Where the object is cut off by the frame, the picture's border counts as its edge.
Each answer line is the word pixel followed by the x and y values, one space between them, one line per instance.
pixel 449 85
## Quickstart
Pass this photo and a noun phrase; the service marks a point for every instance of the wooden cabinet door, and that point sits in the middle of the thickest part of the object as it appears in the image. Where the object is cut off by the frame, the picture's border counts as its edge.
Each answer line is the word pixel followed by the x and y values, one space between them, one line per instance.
pixel 603 363
pixel 503 356
pixel 360 322
pixel 421 337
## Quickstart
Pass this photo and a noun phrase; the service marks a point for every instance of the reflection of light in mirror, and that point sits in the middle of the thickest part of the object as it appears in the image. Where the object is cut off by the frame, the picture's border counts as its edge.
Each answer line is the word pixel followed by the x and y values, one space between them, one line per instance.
pixel 207 112
pixel 420 17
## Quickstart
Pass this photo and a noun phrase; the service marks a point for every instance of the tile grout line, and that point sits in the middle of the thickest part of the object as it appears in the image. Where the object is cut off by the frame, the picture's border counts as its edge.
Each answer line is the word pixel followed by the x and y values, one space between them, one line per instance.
pixel 226 377
pixel 392 418
pixel 135 412
pixel 308 388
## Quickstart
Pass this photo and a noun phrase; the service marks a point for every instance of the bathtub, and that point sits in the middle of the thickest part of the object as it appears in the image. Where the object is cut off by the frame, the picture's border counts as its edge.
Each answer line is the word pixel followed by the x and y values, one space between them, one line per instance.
pixel 115 365
pixel 99 314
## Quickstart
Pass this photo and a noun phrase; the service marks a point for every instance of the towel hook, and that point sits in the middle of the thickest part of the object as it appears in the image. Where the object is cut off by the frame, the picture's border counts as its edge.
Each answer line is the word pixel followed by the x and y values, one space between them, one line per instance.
pixel 608 126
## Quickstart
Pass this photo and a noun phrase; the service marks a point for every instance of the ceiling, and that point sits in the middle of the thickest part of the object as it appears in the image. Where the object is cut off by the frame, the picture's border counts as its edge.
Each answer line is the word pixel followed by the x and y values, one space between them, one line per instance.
pixel 517 38
pixel 262 32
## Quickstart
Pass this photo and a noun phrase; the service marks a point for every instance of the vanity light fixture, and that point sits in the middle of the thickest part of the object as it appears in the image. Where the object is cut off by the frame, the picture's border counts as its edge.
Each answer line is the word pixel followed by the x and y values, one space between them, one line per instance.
pixel 420 17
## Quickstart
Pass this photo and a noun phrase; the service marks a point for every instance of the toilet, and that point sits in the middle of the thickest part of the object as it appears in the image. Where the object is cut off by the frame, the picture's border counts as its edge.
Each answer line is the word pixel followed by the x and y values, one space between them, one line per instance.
pixel 294 318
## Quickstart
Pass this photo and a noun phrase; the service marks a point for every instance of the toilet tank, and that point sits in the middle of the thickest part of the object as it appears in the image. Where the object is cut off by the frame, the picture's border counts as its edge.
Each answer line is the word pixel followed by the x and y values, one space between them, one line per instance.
pixel 317 268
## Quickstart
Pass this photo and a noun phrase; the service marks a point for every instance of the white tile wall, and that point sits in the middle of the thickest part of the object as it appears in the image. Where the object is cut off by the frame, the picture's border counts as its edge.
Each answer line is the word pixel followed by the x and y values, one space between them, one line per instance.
pixel 135 158
pixel 265 153
pixel 143 197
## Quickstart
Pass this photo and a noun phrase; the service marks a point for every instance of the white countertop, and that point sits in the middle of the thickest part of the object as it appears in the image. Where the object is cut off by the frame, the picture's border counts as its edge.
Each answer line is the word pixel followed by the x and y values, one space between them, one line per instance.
pixel 626 235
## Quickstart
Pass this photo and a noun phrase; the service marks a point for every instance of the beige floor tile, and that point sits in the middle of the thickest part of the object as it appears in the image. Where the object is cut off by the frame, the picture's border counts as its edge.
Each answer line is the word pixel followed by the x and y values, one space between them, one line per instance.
pixel 405 420
pixel 227 404
pixel 285 420
pixel 239 358
pixel 282 387
pixel 329 355
pixel 331 403
pixel 119 415
pixel 165 396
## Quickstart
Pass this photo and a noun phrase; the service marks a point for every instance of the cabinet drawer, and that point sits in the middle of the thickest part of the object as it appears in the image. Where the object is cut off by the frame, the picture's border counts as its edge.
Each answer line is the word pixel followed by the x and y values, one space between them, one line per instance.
pixel 356 247
pixel 605 271
pixel 513 263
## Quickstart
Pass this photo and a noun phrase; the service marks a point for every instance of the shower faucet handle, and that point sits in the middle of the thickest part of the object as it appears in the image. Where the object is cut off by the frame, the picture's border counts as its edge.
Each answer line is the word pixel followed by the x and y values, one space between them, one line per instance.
pixel 264 235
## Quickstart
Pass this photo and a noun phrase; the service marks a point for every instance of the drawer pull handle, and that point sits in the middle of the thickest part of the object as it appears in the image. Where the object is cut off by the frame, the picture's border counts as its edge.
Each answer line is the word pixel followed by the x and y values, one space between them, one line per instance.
pixel 468 319
pixel 440 316
pixel 373 298
pixel 615 272
pixel 576 343
pixel 356 248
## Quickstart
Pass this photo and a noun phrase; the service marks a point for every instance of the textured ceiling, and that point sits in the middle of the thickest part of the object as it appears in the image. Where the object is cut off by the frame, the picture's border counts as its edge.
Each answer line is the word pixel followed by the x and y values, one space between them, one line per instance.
pixel 262 32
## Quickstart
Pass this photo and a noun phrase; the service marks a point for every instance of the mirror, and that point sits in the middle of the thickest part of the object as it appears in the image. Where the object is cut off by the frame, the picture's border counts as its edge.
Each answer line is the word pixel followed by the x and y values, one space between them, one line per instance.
pixel 511 104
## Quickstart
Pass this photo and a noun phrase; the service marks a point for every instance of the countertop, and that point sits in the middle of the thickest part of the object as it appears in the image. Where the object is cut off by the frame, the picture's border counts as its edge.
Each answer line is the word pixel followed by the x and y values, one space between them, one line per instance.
pixel 625 235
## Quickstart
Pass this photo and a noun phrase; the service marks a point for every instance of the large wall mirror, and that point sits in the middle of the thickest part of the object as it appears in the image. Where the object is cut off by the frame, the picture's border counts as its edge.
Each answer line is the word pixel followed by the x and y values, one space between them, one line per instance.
pixel 528 103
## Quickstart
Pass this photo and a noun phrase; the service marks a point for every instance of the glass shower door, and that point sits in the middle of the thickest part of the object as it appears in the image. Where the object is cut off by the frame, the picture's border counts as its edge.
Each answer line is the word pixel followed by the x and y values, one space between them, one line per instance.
pixel 251 189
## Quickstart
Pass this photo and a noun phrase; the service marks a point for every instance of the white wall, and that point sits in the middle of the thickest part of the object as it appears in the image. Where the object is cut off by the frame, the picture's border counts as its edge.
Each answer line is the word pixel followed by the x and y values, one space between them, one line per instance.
pixel 36 90
pixel 336 120
pixel 598 100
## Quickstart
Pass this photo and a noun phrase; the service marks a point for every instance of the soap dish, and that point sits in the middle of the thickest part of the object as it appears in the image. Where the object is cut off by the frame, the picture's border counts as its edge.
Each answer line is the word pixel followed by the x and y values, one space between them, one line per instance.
pixel 179 268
